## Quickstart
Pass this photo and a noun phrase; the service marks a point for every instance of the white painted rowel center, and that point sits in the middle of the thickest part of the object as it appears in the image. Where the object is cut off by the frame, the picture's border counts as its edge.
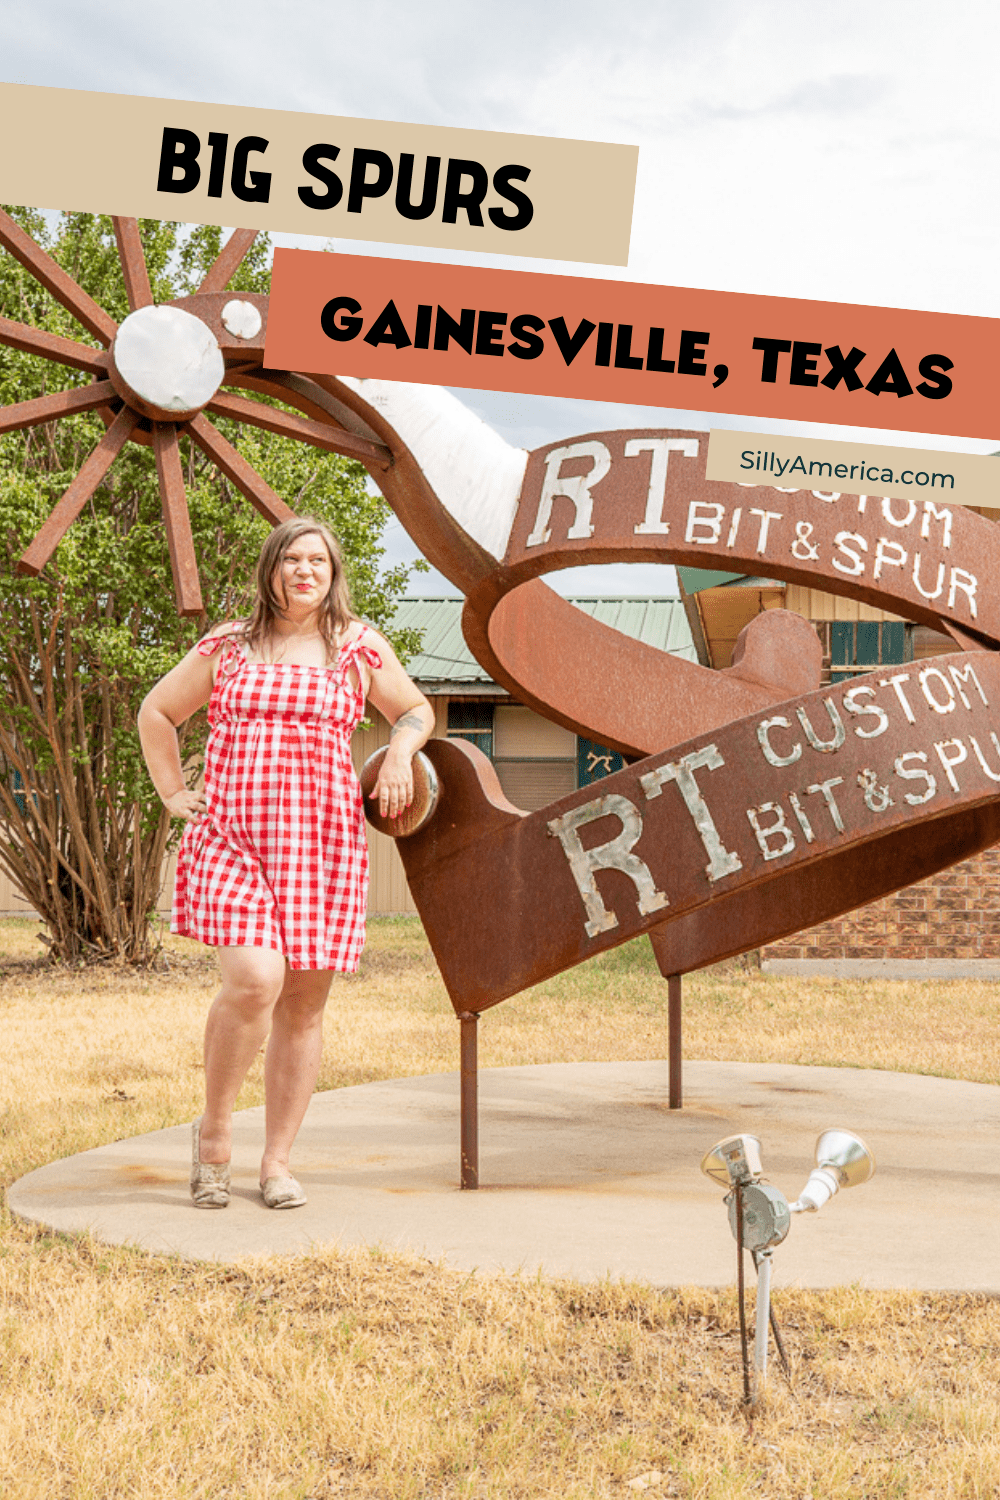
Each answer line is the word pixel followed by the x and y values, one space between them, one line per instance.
pixel 169 358
pixel 241 319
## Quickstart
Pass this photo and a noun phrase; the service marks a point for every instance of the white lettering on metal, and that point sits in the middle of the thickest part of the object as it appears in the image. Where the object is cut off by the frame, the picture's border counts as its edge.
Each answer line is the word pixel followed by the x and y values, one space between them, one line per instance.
pixel 826 787
pixel 576 487
pixel 893 520
pixel 884 549
pixel 800 814
pixel 962 674
pixel 897 683
pixel 840 542
pixel 839 732
pixel 614 855
pixel 960 579
pixel 653 523
pixel 915 773
pixel 721 861
pixel 919 586
pixel 949 703
pixel 707 514
pixel 770 754
pixel 930 509
pixel 877 798
pixel 948 761
pixel 766 517
pixel 993 775
pixel 779 826
pixel 854 707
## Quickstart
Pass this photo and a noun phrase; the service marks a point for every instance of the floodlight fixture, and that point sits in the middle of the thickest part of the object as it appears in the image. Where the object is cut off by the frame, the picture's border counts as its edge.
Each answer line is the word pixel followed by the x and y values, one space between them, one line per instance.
pixel 760 1215
pixel 734 1160
pixel 842 1161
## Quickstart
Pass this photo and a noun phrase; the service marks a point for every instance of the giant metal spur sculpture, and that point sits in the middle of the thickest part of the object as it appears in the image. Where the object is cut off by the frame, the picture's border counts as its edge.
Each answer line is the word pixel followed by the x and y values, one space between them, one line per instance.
pixel 756 803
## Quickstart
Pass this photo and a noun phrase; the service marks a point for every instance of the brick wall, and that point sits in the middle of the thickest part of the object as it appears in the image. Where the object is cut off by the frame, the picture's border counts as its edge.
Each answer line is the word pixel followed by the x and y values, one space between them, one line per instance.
pixel 955 914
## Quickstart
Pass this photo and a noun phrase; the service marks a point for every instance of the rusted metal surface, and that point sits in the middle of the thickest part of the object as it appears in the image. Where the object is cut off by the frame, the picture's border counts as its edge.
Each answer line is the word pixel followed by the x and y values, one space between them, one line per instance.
pixel 65 513
pixel 759 804
pixel 675 1057
pixel 627 695
pixel 330 423
pixel 469 1104
pixel 133 263
pixel 176 519
pixel 51 275
pixel 653 503
pixel 228 260
pixel 59 404
pixel 845 794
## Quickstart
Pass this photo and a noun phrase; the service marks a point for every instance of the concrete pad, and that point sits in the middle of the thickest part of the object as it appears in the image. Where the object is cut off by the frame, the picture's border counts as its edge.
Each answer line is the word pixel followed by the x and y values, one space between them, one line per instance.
pixel 586 1173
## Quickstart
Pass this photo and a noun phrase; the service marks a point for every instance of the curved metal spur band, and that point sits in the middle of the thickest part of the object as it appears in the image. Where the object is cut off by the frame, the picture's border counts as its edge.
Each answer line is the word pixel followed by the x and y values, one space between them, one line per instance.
pixel 643 497
pixel 776 822
pixel 780 804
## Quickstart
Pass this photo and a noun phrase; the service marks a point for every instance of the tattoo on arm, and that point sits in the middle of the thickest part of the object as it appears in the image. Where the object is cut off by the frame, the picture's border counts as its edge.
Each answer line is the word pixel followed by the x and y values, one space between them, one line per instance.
pixel 412 720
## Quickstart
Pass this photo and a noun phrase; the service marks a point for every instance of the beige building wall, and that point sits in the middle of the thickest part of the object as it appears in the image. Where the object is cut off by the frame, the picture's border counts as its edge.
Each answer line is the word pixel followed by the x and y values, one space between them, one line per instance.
pixel 12 903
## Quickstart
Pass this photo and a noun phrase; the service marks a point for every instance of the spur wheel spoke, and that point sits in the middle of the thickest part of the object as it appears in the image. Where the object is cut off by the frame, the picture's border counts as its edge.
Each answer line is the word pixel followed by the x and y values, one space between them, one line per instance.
pixel 55 280
pixel 309 396
pixel 320 434
pixel 58 404
pixel 176 519
pixel 79 492
pixel 133 260
pixel 52 346
pixel 224 267
pixel 235 467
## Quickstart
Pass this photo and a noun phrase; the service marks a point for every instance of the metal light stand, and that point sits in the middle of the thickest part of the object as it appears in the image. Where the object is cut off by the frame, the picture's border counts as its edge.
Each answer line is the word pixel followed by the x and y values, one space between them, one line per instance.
pixel 760 1217
pixel 762 1260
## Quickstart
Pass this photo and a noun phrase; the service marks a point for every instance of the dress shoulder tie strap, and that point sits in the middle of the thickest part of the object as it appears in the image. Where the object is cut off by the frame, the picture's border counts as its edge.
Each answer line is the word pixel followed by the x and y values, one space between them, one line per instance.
pixel 232 651
pixel 358 648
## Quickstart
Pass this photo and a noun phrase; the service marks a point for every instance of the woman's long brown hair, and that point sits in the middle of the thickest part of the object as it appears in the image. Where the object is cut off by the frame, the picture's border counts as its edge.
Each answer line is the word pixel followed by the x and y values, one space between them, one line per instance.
pixel 336 612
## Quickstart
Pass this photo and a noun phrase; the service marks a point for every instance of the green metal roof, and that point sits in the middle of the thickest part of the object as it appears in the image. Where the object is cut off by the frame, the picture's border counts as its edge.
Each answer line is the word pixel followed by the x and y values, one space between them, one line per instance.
pixel 445 658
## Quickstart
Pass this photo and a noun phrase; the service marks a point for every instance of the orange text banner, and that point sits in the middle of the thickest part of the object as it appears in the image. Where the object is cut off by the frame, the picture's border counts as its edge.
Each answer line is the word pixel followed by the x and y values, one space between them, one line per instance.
pixel 635 343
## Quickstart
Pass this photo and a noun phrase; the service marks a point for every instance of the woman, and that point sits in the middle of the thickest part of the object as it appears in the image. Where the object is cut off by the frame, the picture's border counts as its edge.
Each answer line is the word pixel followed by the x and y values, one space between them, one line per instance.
pixel 273 865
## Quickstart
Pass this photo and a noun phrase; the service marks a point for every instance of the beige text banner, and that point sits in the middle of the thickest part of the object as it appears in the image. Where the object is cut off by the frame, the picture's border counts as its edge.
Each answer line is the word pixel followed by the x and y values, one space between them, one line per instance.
pixel 317 174
pixel 807 463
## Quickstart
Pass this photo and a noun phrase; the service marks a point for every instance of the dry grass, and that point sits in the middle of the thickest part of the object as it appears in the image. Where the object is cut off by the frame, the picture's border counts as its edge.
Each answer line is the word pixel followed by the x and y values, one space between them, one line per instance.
pixel 303 1378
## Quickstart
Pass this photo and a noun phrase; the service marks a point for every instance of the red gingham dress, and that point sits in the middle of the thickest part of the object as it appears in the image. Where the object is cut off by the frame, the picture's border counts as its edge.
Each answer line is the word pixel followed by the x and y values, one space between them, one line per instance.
pixel 279 859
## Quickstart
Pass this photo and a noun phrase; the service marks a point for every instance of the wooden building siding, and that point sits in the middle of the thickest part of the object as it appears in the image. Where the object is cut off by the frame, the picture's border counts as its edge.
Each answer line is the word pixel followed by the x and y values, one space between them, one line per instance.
pixel 814 604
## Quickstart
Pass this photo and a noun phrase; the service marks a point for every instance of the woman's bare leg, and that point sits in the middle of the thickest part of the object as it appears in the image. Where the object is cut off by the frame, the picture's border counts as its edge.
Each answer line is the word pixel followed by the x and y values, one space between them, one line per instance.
pixel 291 1065
pixel 237 1025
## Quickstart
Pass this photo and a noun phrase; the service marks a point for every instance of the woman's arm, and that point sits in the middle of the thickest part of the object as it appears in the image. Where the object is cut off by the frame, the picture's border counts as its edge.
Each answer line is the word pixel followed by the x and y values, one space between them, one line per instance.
pixel 398 699
pixel 173 699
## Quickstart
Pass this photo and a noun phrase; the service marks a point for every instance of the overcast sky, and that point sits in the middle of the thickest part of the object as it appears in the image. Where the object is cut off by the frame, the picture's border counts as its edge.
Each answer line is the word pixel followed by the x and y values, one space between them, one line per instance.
pixel 845 152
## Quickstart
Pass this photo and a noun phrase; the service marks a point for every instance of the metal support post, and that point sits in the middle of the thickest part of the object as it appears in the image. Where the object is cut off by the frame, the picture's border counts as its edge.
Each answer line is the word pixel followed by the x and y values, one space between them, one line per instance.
pixel 468 1026
pixel 674 1039
pixel 762 1318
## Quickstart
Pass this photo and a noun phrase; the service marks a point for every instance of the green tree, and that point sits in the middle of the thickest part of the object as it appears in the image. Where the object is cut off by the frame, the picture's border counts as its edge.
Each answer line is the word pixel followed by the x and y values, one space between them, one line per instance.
pixel 82 833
